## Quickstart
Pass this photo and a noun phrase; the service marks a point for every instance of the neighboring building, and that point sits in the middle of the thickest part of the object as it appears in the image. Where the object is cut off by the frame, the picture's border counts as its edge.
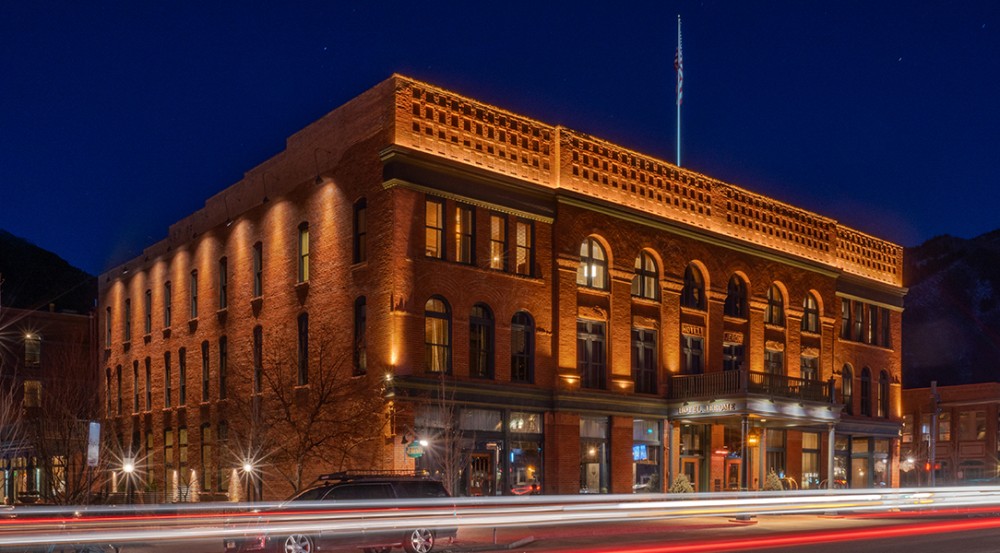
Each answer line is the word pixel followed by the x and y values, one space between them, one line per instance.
pixel 554 312
pixel 49 392
pixel 966 447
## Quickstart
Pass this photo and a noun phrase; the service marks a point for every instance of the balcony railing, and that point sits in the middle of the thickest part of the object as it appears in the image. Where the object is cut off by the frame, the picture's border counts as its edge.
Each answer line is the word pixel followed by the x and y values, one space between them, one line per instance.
pixel 743 382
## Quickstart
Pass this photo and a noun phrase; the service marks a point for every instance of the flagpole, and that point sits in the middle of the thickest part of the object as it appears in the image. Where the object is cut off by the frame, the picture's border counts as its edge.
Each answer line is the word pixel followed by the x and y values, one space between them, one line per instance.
pixel 678 65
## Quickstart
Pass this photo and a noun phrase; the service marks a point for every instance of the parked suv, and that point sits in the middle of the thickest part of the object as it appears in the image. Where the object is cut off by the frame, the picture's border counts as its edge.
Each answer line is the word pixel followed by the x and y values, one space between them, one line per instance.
pixel 357 486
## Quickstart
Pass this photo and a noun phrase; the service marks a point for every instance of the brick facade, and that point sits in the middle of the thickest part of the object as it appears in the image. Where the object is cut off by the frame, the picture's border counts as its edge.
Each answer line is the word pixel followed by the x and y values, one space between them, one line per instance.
pixel 404 142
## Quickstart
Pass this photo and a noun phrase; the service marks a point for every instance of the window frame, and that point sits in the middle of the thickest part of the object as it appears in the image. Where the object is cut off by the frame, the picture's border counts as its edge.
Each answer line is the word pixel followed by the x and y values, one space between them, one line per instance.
pixel 592 268
pixel 434 234
pixel 810 314
pixel 303 252
pixel 524 258
pixel 498 241
pixel 645 283
pixel 644 368
pixel 431 347
pixel 736 298
pixel 522 362
pixel 465 234
pixel 774 312
pixel 693 291
pixel 592 354
pixel 360 243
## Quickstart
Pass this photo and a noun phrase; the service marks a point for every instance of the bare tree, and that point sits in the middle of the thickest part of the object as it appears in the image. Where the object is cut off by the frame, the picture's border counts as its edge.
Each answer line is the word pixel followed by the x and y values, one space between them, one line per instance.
pixel 300 420
pixel 13 435
pixel 447 451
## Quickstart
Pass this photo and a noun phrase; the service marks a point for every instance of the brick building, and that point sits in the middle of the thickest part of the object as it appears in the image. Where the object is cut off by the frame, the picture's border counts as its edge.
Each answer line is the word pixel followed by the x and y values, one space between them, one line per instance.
pixel 965 439
pixel 551 311
pixel 48 393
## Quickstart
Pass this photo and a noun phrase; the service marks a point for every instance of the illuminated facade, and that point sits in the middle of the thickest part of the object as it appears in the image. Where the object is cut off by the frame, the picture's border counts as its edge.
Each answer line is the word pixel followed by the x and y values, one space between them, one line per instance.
pixel 590 318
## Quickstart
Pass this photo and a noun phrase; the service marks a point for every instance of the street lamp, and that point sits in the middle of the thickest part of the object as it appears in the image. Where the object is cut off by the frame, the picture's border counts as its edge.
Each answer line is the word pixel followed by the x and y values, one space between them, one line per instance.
pixel 128 467
pixel 248 474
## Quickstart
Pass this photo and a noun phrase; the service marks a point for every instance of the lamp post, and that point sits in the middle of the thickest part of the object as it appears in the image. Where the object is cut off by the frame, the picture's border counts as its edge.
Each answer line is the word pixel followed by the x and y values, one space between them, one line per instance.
pixel 248 474
pixel 128 467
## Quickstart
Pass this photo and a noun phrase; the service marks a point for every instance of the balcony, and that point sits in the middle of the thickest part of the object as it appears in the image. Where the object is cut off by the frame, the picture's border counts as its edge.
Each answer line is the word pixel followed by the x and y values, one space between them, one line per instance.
pixel 744 382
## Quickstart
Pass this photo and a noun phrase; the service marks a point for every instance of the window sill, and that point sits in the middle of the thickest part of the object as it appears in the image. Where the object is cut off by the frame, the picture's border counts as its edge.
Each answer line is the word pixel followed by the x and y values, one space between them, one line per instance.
pixel 734 319
pixel 166 332
pixel 774 327
pixel 147 338
pixel 193 324
pixel 256 304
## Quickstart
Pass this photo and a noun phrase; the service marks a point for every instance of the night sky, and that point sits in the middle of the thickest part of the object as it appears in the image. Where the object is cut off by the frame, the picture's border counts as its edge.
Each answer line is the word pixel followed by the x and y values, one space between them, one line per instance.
pixel 119 118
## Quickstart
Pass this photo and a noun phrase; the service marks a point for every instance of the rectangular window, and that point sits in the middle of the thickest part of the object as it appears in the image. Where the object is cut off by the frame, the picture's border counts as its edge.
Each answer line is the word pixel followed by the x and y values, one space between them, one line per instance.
pixel 858 321
pixel 150 454
pixel 258 359
pixel 525 259
pixel 907 429
pixel 522 355
pixel 465 235
pixel 972 425
pixel 774 362
pixel 845 319
pixel 871 325
pixel 107 328
pixel 127 336
pixel 147 321
pixel 434 229
pixel 644 360
pixel 204 371
pixel 944 427
pixel 167 380
pixel 809 367
pixel 223 365
pixel 886 340
pixel 32 350
pixel 360 231
pixel 732 357
pixel 223 283
pixel 590 354
pixel 303 349
pixel 498 242
pixel 222 447
pixel 194 294
pixel 693 355
pixel 182 370
pixel 118 376
pixel 168 448
pixel 810 460
pixel 182 442
pixel 360 336
pixel 206 457
pixel 149 384
pixel 258 270
pixel 135 386
pixel 304 252
pixel 168 300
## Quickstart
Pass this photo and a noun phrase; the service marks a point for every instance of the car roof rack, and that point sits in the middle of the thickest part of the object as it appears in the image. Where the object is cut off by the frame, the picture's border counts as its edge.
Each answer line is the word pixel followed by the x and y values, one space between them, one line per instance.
pixel 352 474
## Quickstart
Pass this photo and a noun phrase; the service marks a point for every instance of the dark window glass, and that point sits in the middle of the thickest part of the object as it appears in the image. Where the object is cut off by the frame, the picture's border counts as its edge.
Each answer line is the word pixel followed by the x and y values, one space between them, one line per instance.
pixel 736 298
pixel 168 390
pixel 522 348
pixel 258 358
pixel 774 313
pixel 127 335
pixel 360 336
pixel 223 283
pixel 845 319
pixel 693 293
pixel 525 254
pixel 693 355
pixel 135 386
pixel 194 294
pixel 223 366
pixel 303 350
pixel 644 360
pixel 204 371
pixel 182 370
pixel 361 231
pixel 847 389
pixel 866 392
pixel 732 357
pixel 809 367
pixel 147 318
pixel 810 314
pixel 883 394
pixel 465 235
pixel 149 384
pixel 590 354
pixel 258 270
pixel 168 304
pixel 481 342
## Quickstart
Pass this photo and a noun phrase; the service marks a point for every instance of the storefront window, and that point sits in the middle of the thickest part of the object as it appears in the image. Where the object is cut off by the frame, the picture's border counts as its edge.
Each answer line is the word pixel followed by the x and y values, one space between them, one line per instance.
pixel 594 473
pixel 775 441
pixel 841 457
pixel 880 464
pixel 907 430
pixel 525 453
pixel 972 425
pixel 810 461
pixel 646 456
pixel 944 427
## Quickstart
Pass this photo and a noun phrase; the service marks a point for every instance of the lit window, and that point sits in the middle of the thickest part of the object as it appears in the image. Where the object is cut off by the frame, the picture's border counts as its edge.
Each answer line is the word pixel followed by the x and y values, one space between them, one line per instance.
pixel 32 350
pixel 465 234
pixel 593 269
pixel 434 229
pixel 498 242
pixel 437 335
pixel 644 281
pixel 525 259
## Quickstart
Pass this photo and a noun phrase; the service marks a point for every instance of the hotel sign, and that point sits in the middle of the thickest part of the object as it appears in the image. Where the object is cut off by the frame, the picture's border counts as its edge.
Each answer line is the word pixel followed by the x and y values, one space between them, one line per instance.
pixel 707 408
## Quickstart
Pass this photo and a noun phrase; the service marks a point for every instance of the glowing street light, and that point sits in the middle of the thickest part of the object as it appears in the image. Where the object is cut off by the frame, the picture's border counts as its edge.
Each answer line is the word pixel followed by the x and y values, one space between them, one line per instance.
pixel 128 467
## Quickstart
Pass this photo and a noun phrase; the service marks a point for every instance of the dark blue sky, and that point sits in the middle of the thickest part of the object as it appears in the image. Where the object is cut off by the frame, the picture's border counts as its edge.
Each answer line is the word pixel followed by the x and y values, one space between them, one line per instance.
pixel 119 118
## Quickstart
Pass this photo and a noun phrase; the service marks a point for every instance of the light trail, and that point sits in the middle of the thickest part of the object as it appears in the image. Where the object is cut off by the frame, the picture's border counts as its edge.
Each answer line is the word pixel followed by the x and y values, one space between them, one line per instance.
pixel 53 526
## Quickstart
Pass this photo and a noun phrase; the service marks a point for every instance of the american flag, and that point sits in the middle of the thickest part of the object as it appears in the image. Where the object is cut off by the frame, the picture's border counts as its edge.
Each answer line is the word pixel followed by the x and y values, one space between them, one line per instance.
pixel 679 67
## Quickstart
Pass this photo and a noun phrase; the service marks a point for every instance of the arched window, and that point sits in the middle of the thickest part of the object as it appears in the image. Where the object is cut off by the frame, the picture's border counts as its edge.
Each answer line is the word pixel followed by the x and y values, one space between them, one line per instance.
pixel 847 389
pixel 810 313
pixel 522 348
pixel 693 293
pixel 866 392
pixel 437 335
pixel 593 270
pixel 883 394
pixel 481 342
pixel 736 298
pixel 775 312
pixel 644 282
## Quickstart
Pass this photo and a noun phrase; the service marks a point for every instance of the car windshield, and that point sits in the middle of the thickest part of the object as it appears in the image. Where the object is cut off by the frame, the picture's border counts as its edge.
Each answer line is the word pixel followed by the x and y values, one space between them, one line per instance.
pixel 418 489
pixel 314 494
